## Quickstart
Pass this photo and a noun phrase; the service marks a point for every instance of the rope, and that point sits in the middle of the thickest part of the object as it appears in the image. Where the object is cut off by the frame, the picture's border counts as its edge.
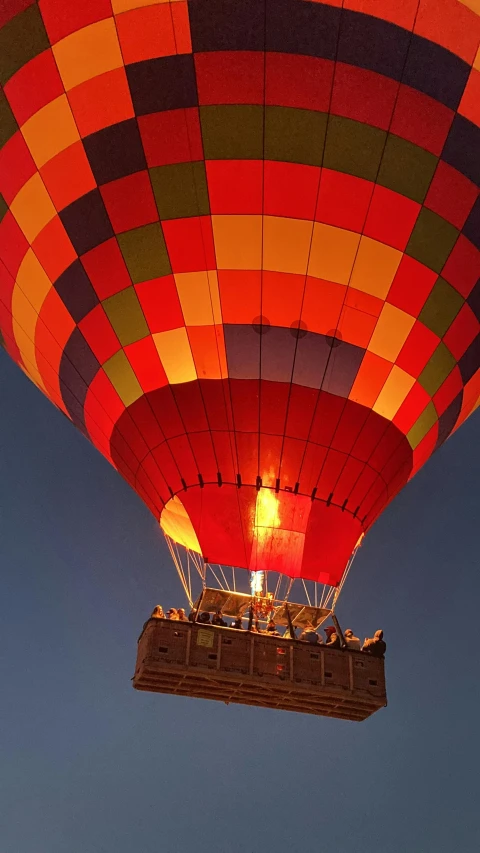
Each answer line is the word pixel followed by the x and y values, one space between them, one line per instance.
pixel 179 568
pixel 199 565
pixel 224 578
pixel 189 574
pixel 306 593
pixel 277 588
pixel 345 574
pixel 215 576
pixel 289 589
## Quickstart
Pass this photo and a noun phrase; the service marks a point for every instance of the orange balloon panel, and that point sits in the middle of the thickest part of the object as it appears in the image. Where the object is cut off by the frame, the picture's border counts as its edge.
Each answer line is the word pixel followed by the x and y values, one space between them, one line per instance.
pixel 240 250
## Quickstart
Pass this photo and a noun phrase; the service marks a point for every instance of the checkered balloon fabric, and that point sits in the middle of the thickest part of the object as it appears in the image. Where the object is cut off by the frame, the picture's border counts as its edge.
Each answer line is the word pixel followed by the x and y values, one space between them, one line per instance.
pixel 240 245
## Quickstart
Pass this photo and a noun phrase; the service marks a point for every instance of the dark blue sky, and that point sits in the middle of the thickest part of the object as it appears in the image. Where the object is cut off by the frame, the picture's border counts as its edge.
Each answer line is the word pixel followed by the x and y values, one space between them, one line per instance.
pixel 88 765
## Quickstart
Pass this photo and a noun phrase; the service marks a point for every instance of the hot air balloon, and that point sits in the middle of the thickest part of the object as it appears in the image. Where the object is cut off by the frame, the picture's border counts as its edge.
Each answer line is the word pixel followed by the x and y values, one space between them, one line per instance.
pixel 240 251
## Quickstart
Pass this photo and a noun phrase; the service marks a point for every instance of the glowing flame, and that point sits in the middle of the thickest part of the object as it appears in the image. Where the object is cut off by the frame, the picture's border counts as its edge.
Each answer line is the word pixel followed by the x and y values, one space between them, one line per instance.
pixel 266 511
pixel 256 583
pixel 266 517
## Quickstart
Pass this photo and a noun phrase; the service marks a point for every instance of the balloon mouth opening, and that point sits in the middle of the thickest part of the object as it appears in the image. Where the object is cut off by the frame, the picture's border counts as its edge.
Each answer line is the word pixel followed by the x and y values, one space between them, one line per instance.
pixel 259 530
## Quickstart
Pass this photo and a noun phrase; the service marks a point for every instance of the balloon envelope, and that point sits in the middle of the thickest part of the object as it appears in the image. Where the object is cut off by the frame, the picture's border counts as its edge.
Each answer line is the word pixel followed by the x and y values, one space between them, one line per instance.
pixel 240 250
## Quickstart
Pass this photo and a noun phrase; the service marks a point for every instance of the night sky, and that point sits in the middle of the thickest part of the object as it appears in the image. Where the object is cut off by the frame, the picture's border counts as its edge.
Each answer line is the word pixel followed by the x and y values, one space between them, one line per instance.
pixel 88 765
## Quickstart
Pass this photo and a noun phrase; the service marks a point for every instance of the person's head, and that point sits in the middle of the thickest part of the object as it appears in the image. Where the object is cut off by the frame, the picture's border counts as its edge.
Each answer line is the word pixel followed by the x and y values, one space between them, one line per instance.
pixel 158 610
pixel 181 612
pixel 348 633
pixel 329 630
pixel 172 613
pixel 378 635
pixel 271 626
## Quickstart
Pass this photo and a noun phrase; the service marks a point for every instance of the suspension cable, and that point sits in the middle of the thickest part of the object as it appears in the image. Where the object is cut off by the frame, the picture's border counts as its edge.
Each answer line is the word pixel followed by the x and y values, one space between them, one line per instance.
pixel 277 588
pixel 189 562
pixel 345 574
pixel 306 593
pixel 215 576
pixel 178 565
pixel 199 565
pixel 289 588
pixel 227 585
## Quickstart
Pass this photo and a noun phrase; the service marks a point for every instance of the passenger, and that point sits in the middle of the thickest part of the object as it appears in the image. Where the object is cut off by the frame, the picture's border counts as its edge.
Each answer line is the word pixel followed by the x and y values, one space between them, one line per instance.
pixel 157 612
pixel 191 616
pixel 333 640
pixel 172 614
pixel 218 620
pixel 352 643
pixel 204 618
pixel 272 629
pixel 287 635
pixel 182 616
pixel 237 623
pixel 310 636
pixel 375 646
